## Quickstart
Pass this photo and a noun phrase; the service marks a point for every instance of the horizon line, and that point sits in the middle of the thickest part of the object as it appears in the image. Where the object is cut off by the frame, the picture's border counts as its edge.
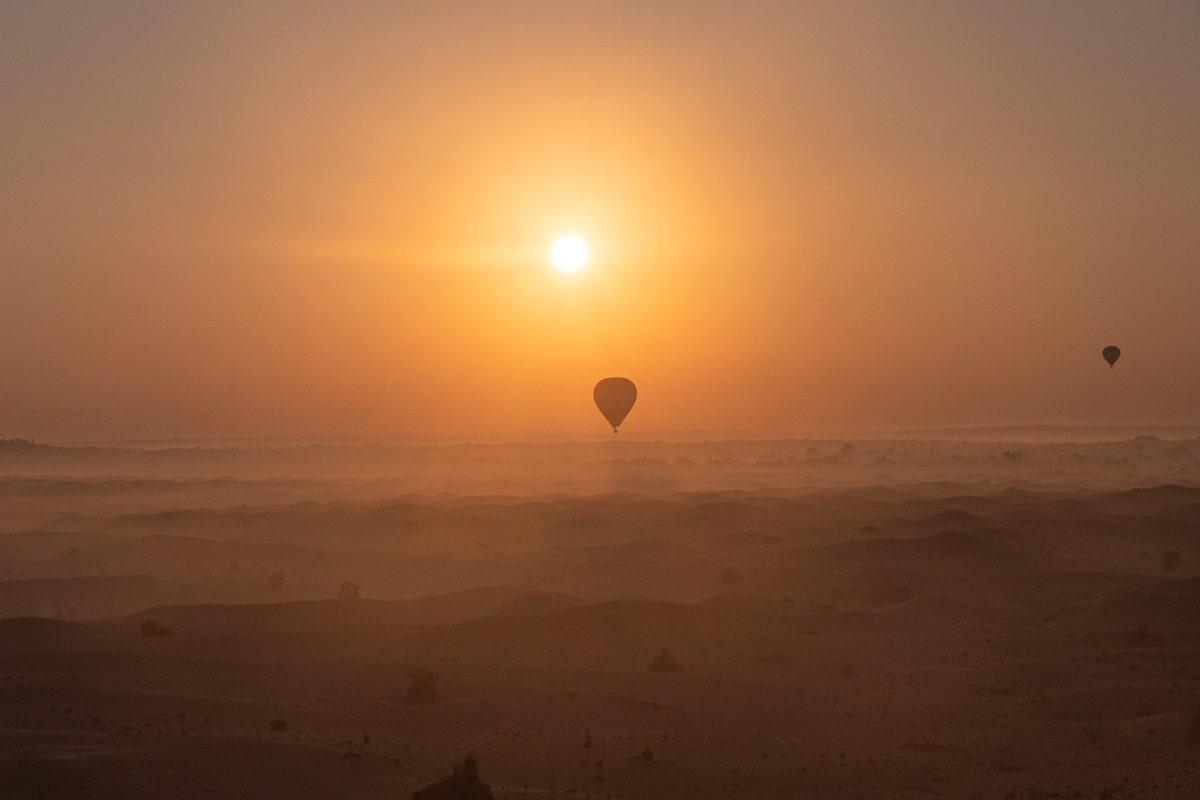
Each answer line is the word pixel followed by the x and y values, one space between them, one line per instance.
pixel 668 434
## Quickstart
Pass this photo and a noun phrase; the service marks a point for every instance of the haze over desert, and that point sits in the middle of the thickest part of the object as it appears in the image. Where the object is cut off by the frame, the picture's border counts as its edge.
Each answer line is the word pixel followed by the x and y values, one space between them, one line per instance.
pixel 532 400
pixel 897 618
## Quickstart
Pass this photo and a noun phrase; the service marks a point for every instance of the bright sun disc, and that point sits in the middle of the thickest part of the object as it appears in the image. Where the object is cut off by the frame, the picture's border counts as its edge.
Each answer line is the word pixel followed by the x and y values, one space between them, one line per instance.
pixel 569 253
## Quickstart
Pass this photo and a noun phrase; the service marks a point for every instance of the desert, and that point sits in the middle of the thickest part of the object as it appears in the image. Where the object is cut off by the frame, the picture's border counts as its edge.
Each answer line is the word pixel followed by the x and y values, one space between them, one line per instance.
pixel 607 400
pixel 772 618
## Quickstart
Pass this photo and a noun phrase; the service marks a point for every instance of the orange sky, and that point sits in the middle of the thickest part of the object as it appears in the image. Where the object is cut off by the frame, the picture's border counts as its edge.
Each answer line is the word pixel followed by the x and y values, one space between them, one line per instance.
pixel 301 221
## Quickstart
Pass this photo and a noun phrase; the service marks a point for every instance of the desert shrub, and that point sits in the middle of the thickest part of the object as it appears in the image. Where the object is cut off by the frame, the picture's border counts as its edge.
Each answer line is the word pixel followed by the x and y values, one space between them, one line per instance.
pixel 349 591
pixel 277 726
pixel 648 754
pixel 461 784
pixel 587 740
pixel 665 662
pixel 150 629
pixel 422 689
pixel 276 580
pixel 1170 560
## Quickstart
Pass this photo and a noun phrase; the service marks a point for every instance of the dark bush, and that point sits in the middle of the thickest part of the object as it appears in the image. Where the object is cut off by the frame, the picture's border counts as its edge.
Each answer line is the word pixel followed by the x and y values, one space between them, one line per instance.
pixel 277 726
pixel 461 784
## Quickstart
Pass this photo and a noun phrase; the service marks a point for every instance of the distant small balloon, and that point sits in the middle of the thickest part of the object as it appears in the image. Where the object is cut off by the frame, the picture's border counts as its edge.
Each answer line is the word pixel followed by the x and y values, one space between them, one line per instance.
pixel 614 397
pixel 1111 354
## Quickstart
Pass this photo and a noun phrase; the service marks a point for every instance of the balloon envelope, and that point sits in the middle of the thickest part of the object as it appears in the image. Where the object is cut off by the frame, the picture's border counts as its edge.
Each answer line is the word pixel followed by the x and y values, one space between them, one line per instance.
pixel 614 397
pixel 1111 354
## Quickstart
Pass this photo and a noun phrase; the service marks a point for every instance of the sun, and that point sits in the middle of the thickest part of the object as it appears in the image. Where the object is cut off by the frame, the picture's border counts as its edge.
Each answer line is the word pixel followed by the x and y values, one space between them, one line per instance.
pixel 569 253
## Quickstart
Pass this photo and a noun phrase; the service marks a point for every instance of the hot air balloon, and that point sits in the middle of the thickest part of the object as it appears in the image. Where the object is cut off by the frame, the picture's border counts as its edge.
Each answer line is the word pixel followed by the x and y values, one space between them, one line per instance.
pixel 614 397
pixel 1111 354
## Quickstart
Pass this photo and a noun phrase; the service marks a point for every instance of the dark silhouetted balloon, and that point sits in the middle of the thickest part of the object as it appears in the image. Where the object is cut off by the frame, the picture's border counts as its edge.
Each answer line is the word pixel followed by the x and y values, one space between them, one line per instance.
pixel 1111 354
pixel 614 397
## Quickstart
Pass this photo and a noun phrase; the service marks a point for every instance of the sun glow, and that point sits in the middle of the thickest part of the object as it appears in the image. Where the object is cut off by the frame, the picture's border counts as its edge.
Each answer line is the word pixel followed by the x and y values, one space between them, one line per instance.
pixel 569 253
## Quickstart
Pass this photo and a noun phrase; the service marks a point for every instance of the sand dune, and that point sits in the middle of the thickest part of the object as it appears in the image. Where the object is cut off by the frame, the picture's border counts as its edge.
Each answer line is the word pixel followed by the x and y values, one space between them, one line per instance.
pixel 91 597
pixel 1163 603
pixel 191 767
pixel 968 626
pixel 38 634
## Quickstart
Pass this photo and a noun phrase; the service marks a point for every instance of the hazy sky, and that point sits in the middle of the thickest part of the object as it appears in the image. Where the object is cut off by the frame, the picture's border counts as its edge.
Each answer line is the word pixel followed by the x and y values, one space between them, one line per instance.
pixel 315 219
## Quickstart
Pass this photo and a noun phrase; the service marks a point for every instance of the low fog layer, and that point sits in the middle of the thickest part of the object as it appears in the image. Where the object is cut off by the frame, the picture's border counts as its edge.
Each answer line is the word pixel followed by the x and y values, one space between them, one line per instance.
pixel 627 464
pixel 617 618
